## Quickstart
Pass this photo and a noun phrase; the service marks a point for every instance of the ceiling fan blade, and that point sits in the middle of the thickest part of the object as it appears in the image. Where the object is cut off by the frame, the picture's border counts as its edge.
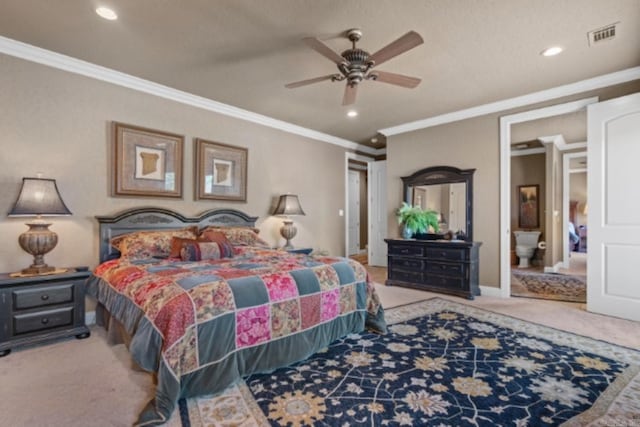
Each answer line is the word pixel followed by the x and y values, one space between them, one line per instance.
pixel 349 94
pixel 323 50
pixel 308 81
pixel 393 49
pixel 395 79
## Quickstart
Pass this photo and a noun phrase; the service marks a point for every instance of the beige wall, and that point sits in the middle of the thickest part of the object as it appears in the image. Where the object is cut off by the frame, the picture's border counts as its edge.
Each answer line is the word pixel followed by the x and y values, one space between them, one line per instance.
pixel 471 143
pixel 466 144
pixel 58 123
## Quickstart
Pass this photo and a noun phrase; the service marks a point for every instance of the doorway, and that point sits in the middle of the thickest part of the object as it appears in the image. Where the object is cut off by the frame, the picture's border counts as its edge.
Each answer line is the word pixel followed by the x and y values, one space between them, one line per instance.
pixel 552 216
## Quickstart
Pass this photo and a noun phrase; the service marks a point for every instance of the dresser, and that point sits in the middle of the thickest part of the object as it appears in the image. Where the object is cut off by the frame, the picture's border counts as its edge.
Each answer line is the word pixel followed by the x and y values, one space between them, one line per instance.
pixel 432 265
pixel 39 308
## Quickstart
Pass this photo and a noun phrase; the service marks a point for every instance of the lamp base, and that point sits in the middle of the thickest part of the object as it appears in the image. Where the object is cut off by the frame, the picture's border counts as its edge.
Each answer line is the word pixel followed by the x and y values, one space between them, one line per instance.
pixel 288 231
pixel 37 241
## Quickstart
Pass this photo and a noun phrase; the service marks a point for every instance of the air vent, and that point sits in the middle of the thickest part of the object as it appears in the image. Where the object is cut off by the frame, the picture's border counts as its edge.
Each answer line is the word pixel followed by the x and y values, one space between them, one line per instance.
pixel 602 34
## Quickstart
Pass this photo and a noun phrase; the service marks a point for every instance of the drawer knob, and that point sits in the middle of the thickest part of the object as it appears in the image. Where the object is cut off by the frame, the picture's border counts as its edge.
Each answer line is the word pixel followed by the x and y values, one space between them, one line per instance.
pixel 44 297
pixel 44 321
pixel 443 253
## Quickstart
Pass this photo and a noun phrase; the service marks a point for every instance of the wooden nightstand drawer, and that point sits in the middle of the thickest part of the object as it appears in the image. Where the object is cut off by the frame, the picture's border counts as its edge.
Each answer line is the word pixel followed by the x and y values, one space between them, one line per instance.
pixel 48 319
pixel 46 295
pixel 41 308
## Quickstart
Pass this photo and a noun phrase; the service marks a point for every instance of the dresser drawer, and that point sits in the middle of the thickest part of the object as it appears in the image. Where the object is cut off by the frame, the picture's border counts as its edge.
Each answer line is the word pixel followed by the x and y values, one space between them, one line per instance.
pixel 47 319
pixel 406 276
pixel 406 250
pixel 454 283
pixel 446 269
pixel 446 254
pixel 414 264
pixel 41 296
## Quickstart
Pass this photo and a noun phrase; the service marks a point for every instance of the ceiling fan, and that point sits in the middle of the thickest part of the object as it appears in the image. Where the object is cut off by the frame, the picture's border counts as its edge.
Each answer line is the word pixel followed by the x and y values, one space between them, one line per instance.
pixel 356 65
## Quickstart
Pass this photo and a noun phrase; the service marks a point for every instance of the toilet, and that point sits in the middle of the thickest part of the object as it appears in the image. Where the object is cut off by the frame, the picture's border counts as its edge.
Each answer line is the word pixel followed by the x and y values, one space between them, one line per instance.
pixel 526 244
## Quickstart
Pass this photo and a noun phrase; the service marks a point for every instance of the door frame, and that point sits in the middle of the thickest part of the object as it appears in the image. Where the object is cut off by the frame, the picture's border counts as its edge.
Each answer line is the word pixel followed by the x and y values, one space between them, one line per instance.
pixel 349 155
pixel 566 177
pixel 505 177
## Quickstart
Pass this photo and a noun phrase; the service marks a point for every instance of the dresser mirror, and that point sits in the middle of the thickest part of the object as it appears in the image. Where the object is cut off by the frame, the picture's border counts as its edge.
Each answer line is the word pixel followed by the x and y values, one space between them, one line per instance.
pixel 446 190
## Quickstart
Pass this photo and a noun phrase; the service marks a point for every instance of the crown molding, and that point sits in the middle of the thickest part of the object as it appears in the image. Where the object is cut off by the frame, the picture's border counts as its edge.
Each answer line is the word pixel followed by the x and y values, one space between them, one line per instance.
pixel 618 77
pixel 73 65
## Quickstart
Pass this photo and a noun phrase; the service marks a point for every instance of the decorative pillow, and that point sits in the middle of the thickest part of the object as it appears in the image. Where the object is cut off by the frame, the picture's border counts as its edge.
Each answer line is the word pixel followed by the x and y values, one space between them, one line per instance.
pixel 194 250
pixel 237 235
pixel 212 235
pixel 149 244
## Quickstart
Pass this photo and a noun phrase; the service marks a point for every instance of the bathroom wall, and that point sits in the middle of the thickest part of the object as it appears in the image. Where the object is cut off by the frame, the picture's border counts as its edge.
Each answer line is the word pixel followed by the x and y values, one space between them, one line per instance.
pixel 528 170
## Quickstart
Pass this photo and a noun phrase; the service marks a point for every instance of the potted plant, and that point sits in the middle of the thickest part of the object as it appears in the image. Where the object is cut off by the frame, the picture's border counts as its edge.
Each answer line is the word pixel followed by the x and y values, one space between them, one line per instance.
pixel 415 220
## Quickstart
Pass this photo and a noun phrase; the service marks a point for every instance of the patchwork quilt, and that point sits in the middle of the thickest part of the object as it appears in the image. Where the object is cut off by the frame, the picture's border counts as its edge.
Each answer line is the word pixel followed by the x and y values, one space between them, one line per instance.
pixel 201 326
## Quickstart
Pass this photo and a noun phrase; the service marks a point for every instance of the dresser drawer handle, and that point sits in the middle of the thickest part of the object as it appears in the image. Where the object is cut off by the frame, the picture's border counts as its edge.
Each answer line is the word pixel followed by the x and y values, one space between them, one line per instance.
pixel 44 297
pixel 44 321
pixel 404 251
pixel 443 254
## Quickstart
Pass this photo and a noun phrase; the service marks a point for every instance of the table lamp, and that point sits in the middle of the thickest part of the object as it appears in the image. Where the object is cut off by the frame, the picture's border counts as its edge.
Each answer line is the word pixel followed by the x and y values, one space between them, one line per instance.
pixel 288 205
pixel 38 197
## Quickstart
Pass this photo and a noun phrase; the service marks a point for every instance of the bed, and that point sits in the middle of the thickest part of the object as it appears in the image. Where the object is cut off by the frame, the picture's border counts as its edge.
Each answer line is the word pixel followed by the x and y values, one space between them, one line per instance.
pixel 200 326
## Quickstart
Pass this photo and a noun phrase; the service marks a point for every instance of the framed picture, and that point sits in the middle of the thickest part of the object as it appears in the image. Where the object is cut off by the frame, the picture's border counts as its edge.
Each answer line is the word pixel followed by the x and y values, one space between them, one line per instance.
pixel 221 171
pixel 528 206
pixel 147 162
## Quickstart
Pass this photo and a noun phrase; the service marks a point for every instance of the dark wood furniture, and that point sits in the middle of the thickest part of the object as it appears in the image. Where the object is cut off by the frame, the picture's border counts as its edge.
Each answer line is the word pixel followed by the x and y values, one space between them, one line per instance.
pixel 39 308
pixel 154 219
pixel 306 251
pixel 438 176
pixel 440 266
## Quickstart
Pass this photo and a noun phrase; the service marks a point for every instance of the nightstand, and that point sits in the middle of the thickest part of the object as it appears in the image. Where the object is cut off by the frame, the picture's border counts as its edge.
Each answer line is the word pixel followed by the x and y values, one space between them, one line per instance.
pixel 305 251
pixel 39 308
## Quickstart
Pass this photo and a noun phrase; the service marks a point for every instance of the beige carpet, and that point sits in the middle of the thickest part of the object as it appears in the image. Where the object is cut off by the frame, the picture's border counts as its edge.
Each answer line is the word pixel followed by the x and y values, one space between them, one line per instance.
pixel 88 383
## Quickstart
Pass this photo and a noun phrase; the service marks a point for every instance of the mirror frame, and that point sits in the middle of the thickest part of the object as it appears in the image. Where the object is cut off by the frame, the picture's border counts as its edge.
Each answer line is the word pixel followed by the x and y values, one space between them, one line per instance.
pixel 443 175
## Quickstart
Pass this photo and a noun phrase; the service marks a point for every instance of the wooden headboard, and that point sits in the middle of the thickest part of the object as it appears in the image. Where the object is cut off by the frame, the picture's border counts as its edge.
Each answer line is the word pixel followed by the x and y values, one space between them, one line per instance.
pixel 150 218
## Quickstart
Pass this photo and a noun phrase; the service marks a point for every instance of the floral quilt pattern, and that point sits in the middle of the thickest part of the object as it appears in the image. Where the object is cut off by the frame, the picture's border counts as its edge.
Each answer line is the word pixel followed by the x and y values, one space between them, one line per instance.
pixel 270 294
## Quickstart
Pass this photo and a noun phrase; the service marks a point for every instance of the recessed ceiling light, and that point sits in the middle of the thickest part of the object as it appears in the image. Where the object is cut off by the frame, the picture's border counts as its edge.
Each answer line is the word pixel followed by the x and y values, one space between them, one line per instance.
pixel 374 140
pixel 551 51
pixel 107 13
pixel 352 113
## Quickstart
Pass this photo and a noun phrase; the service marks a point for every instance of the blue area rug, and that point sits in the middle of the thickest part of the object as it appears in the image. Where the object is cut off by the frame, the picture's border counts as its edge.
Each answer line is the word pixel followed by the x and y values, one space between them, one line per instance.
pixel 442 364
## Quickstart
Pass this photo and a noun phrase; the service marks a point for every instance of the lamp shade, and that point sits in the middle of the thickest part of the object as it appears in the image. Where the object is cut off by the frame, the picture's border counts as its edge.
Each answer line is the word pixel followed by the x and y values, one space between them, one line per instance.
pixel 39 196
pixel 288 204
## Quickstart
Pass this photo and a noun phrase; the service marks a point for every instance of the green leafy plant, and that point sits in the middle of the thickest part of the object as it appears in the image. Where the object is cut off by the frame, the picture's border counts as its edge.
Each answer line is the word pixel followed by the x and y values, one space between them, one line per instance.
pixel 417 220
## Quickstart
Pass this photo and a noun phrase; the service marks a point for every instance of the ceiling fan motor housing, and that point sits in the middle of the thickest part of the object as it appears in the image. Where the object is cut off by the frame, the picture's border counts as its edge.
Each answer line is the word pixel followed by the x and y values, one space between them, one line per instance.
pixel 356 66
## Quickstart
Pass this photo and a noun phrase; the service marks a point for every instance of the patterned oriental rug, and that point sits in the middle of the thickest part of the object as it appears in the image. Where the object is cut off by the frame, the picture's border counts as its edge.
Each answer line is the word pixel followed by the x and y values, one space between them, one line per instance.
pixel 441 364
pixel 561 287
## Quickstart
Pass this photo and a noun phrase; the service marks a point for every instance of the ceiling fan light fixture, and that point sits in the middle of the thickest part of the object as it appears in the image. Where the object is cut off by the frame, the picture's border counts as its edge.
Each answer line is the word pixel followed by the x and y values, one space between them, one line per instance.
pixel 355 65
pixel 106 13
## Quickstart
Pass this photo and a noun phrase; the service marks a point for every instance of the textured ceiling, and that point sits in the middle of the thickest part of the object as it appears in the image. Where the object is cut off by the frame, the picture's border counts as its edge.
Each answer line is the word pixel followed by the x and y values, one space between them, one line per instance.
pixel 243 52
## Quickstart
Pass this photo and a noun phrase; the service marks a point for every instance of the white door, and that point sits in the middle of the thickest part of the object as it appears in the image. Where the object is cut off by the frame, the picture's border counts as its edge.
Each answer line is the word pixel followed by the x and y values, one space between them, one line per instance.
pixel 377 213
pixel 613 223
pixel 354 212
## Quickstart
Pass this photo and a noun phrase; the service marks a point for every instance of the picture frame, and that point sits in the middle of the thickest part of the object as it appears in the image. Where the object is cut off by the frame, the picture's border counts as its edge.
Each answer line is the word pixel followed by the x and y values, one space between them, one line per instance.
pixel 147 162
pixel 221 171
pixel 528 206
